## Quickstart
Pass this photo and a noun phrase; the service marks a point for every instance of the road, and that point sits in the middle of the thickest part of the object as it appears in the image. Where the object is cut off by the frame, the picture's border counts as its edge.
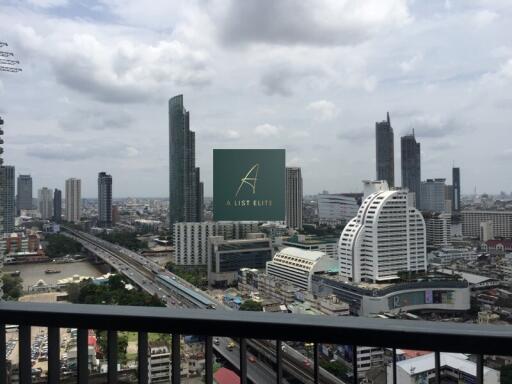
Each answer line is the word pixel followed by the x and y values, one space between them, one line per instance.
pixel 142 272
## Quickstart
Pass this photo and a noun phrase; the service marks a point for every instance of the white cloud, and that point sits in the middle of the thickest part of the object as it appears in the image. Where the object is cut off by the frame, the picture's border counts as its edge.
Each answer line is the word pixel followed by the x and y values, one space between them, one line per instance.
pixel 412 63
pixel 267 130
pixel 48 3
pixel 484 17
pixel 323 110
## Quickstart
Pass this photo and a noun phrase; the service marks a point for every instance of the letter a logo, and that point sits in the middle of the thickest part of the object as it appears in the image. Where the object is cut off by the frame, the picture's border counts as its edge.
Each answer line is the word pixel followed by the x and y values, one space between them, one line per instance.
pixel 250 179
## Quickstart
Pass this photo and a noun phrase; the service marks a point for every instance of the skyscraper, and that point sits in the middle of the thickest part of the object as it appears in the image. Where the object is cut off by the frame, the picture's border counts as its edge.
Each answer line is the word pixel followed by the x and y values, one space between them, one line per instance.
pixel 433 195
pixel 386 237
pixel 293 198
pixel 456 195
pixel 104 200
pixel 185 187
pixel 57 205
pixel 24 196
pixel 73 200
pixel 45 202
pixel 385 157
pixel 411 165
pixel 7 210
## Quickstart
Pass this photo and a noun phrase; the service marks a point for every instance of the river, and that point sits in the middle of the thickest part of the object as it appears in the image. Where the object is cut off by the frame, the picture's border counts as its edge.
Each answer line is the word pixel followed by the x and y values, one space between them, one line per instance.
pixel 32 273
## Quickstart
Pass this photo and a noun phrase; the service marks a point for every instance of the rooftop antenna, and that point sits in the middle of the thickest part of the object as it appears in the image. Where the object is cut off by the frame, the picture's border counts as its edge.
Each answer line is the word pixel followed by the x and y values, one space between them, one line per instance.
pixel 8 65
pixel 389 122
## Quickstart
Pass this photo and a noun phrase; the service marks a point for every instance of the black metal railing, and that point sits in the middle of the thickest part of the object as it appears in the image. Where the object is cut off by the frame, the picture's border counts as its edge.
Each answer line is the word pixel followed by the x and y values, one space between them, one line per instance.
pixel 356 331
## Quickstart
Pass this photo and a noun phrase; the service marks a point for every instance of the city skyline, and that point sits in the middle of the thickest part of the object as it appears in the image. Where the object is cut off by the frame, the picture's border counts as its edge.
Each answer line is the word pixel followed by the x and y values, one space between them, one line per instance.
pixel 316 96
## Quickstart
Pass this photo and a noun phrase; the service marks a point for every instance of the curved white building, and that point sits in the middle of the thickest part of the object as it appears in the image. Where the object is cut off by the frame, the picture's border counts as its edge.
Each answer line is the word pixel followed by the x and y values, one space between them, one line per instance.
pixel 387 236
pixel 297 266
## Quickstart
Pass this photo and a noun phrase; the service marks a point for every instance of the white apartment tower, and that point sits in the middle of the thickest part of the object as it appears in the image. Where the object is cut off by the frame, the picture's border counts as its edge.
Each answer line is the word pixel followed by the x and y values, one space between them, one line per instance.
pixel 45 202
pixel 387 236
pixel 293 198
pixel 73 200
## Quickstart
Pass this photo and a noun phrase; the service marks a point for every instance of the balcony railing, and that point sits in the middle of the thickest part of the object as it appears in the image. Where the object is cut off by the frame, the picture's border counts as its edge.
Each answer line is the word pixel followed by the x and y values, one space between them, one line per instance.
pixel 355 331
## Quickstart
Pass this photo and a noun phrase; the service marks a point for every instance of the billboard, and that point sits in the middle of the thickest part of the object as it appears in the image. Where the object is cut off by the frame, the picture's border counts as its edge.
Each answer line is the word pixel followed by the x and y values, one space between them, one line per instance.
pixel 249 184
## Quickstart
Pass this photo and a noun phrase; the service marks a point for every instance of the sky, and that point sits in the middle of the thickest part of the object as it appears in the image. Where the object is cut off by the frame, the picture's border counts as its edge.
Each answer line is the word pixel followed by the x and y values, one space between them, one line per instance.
pixel 310 76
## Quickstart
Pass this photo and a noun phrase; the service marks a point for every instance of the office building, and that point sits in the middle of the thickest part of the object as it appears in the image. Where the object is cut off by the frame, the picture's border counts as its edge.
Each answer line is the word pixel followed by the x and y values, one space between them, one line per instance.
pixel 24 193
pixel 191 239
pixel 438 226
pixel 326 244
pixel 185 187
pixel 159 362
pixel 386 237
pixel 456 208
pixel 45 203
pixel 298 266
pixel 433 195
pixel 57 205
pixel 7 206
pixel 227 257
pixel 336 209
pixel 385 148
pixel 501 223
pixel 411 166
pixel 293 198
pixel 73 200
pixel 104 200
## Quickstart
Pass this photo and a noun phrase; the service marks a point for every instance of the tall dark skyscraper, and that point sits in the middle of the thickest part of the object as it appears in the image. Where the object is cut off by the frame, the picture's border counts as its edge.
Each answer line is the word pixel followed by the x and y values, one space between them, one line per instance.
pixel 104 200
pixel 185 187
pixel 24 196
pixel 7 210
pixel 456 195
pixel 385 157
pixel 57 205
pixel 293 197
pixel 411 165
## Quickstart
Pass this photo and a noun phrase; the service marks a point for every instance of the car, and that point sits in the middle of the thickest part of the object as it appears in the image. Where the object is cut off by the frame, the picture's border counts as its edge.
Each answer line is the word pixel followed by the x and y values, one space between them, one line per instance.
pixel 216 341
pixel 252 358
pixel 307 363
pixel 230 346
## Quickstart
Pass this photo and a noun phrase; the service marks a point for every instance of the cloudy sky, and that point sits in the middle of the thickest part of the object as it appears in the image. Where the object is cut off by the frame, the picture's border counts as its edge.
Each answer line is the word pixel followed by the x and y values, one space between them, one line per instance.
pixel 311 76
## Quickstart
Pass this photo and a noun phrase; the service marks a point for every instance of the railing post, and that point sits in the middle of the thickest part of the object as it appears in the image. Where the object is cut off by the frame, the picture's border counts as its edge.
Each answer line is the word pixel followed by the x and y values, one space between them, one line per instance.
pixel 176 359
pixel 3 356
pixel 112 356
pixel 479 369
pixel 354 364
pixel 394 366
pixel 316 368
pixel 53 355
pixel 279 361
pixel 25 362
pixel 142 351
pixel 208 360
pixel 243 361
pixel 438 367
pixel 82 348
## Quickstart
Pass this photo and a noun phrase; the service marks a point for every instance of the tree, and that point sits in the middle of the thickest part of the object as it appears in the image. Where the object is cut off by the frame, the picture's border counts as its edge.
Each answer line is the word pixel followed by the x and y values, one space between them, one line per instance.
pixel 337 368
pixel 12 286
pixel 251 305
pixel 122 344
pixel 60 245
pixel 125 239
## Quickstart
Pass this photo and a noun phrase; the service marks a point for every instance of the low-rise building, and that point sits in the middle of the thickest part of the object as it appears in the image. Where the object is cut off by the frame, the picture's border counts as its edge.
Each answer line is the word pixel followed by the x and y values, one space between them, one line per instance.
pixel 159 363
pixel 326 244
pixel 497 247
pixel 455 367
pixel 298 266
pixel 448 255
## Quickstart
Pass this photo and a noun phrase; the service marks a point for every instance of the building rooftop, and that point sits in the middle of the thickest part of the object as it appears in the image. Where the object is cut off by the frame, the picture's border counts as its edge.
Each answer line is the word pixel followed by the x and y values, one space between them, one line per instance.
pixel 302 254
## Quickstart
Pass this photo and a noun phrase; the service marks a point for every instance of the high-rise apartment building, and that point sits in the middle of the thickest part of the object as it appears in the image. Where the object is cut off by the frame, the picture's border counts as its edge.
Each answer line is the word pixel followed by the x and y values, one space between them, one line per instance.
pixel 185 187
pixel 293 198
pixel 57 205
pixel 386 237
pixel 456 195
pixel 45 203
pixel 501 223
pixel 336 209
pixel 7 206
pixel 411 166
pixel 438 227
pixel 433 195
pixel 73 200
pixel 104 200
pixel 24 193
pixel 385 157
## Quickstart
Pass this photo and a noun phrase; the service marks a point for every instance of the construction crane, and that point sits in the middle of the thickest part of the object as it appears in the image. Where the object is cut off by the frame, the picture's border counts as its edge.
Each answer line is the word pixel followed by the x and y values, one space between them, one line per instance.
pixel 7 65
